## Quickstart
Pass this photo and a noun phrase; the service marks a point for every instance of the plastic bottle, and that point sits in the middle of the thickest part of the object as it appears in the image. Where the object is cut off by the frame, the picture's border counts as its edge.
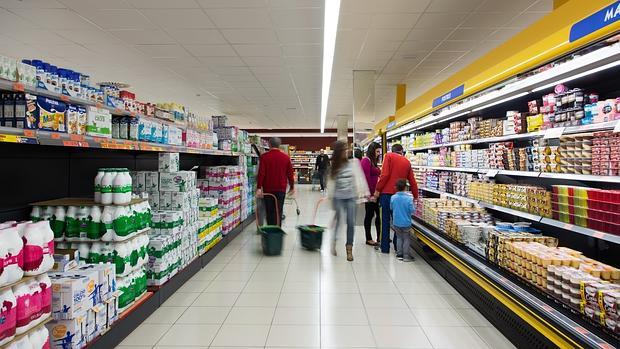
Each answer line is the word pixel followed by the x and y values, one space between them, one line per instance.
pixel 11 255
pixel 46 294
pixel 21 343
pixel 94 254
pixel 106 186
pixel 82 217
pixel 127 295
pixel 84 250
pixel 107 227
pixel 107 253
pixel 121 254
pixel 72 230
pixel 35 214
pixel 8 312
pixel 93 229
pixel 22 296
pixel 47 212
pixel 118 197
pixel 121 223
pixel 134 255
pixel 34 288
pixel 98 179
pixel 38 248
pixel 57 223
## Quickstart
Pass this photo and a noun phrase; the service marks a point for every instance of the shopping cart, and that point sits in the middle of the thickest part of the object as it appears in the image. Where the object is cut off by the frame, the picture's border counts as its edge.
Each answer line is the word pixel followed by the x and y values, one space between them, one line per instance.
pixel 312 235
pixel 272 236
pixel 291 201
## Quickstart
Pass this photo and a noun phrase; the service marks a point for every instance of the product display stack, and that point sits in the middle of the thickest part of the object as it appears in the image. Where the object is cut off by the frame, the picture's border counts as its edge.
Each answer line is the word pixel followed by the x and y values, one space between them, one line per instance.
pixel 224 183
pixel 210 231
pixel 26 252
pixel 248 186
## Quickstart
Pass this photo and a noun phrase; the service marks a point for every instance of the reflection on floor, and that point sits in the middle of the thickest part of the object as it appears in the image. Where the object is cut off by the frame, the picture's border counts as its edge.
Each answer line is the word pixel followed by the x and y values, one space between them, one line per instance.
pixel 315 300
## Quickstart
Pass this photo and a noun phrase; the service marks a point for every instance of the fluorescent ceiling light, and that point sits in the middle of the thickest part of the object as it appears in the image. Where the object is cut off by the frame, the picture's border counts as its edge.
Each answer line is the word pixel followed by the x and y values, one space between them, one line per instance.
pixel 577 76
pixel 330 29
pixel 502 101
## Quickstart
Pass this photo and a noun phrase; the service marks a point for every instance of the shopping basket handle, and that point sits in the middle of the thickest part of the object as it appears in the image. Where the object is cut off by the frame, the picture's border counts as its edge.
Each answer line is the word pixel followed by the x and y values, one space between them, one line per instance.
pixel 316 209
pixel 275 200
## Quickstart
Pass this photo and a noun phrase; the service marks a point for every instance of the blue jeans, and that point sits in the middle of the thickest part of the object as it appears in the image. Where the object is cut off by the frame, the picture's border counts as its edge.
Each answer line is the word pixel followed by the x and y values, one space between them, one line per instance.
pixel 404 242
pixel 386 218
pixel 348 206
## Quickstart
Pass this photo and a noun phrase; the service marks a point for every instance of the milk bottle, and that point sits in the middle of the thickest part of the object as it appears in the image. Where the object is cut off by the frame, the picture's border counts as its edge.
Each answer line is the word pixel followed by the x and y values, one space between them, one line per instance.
pixel 83 214
pixel 39 338
pixel 121 223
pixel 121 187
pixel 38 248
pixel 125 286
pixel 22 343
pixel 107 226
pixel 57 223
pixel 94 254
pixel 35 302
pixel 11 256
pixel 107 253
pixel 106 186
pixel 98 179
pixel 46 294
pixel 35 214
pixel 93 229
pixel 144 257
pixel 84 251
pixel 135 252
pixel 47 212
pixel 8 312
pixel 22 297
pixel 72 230
pixel 121 254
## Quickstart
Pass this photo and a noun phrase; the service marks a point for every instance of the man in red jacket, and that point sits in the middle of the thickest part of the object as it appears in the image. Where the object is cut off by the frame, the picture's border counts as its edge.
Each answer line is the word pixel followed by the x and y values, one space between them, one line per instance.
pixel 395 166
pixel 274 170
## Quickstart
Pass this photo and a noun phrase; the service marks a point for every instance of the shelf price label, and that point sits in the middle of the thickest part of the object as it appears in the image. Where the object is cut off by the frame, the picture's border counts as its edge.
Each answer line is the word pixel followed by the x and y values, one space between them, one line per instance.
pixel 492 173
pixel 70 143
pixel 18 86
pixel 17 139
pixel 555 132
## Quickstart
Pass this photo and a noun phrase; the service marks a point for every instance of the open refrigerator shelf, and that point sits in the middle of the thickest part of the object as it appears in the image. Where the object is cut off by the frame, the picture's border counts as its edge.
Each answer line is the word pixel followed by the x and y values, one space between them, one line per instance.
pixel 554 321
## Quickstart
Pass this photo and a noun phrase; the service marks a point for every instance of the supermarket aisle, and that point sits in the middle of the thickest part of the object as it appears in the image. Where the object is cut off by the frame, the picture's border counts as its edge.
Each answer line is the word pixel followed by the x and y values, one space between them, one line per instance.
pixel 312 299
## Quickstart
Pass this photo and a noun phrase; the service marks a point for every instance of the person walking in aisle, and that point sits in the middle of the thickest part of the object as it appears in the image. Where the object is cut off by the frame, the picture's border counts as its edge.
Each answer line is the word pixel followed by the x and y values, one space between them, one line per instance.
pixel 372 173
pixel 403 208
pixel 345 186
pixel 275 169
pixel 321 165
pixel 395 167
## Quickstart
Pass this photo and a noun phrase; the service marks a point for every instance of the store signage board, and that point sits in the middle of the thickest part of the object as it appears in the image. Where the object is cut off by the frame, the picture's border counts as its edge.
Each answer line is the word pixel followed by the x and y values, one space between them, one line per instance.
pixel 555 132
pixel 598 20
pixel 449 96
pixel 391 125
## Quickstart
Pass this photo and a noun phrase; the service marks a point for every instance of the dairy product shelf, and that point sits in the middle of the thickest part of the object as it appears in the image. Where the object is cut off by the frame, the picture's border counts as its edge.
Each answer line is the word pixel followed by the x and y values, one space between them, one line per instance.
pixel 530 306
pixel 532 217
pixel 42 322
pixel 26 136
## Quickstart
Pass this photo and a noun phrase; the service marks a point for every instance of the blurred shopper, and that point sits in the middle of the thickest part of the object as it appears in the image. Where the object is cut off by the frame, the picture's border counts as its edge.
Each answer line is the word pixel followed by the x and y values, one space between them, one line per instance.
pixel 274 171
pixel 358 154
pixel 395 166
pixel 402 207
pixel 372 173
pixel 345 186
pixel 321 166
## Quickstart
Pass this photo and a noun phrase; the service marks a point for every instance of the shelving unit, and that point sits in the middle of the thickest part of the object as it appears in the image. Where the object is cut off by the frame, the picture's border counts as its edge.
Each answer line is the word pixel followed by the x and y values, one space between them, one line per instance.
pixel 303 165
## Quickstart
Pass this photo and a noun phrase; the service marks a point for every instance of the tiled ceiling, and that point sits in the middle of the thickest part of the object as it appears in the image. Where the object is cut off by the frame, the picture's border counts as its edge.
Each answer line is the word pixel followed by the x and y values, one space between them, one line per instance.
pixel 259 61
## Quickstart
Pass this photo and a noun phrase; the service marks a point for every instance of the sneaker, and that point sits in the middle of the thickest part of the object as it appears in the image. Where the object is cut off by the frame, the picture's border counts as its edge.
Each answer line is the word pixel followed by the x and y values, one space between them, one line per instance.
pixel 406 260
pixel 400 258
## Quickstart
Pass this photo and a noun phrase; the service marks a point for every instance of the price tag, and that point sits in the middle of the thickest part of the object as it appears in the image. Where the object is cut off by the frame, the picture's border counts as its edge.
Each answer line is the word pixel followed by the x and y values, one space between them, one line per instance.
pixel 84 144
pixel 76 137
pixel 98 105
pixel 18 86
pixel 70 144
pixel 118 111
pixel 29 133
pixel 55 135
pixel 555 132
pixel 598 235
pixel 617 128
pixel 64 98
pixel 492 173
pixel 9 138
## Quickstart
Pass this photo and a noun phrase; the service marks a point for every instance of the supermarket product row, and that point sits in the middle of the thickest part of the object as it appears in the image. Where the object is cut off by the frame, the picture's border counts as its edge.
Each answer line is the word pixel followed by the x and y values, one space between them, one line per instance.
pixel 102 254
pixel 586 286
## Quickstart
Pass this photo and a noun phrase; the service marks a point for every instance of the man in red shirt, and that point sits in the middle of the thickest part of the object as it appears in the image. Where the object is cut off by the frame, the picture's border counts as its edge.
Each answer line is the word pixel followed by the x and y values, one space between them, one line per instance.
pixel 274 170
pixel 395 166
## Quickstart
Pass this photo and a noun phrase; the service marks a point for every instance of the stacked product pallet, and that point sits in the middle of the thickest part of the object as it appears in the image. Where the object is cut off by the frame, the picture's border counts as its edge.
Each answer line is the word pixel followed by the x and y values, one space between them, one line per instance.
pixel 26 251
pixel 174 199
pixel 224 183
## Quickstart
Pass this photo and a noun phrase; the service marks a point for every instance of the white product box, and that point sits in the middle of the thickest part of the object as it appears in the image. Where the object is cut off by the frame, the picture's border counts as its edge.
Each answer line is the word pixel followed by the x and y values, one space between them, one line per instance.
pixel 112 310
pixel 151 181
pixel 154 200
pixel 138 181
pixel 168 162
pixel 70 294
pixel 175 181
pixel 179 201
pixel 69 333
pixel 165 200
pixel 96 321
pixel 106 279
pixel 99 122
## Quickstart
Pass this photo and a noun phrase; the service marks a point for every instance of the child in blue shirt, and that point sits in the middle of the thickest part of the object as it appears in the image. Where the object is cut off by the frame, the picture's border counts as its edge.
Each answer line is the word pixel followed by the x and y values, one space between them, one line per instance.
pixel 402 207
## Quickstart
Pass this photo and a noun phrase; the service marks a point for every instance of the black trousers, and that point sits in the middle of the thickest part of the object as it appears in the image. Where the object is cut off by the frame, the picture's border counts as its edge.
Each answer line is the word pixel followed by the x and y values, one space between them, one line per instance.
pixel 270 207
pixel 372 210
pixel 322 178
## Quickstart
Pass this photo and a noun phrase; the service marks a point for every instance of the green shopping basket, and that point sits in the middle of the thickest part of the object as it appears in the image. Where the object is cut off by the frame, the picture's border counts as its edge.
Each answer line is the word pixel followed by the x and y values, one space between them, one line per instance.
pixel 272 236
pixel 311 235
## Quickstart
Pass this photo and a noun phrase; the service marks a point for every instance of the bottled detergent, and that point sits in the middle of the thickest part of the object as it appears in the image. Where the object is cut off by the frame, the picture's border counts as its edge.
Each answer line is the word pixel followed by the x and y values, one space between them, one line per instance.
pixel 93 227
pixel 11 256
pixel 38 248
pixel 35 214
pixel 83 216
pixel 8 314
pixel 106 186
pixel 72 230
pixel 46 294
pixel 98 179
pixel 107 220
pixel 57 223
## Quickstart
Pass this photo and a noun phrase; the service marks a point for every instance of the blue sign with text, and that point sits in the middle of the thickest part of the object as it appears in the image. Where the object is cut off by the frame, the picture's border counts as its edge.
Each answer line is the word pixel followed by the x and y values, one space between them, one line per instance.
pixel 595 21
pixel 448 96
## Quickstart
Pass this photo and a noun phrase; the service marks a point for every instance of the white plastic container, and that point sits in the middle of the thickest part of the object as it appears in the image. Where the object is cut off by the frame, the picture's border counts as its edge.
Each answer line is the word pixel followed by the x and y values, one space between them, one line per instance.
pixel 8 312
pixel 107 181
pixel 22 296
pixel 107 220
pixel 11 254
pixel 84 251
pixel 93 228
pixel 97 188
pixel 38 248
pixel 72 230
pixel 46 295
pixel 22 343
pixel 57 223
pixel 94 254
pixel 35 214
pixel 83 217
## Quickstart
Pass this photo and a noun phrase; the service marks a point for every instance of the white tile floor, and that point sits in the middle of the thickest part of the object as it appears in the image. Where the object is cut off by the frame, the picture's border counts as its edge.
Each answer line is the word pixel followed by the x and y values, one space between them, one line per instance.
pixel 312 299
